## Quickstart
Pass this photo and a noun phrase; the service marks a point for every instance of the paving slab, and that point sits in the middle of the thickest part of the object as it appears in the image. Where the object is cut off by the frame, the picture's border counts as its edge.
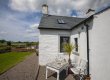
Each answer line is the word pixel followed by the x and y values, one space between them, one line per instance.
pixel 25 70
pixel 53 75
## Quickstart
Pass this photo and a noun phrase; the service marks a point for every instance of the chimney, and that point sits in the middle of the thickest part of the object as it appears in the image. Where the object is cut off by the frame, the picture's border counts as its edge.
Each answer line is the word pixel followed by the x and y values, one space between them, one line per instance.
pixel 45 9
pixel 90 12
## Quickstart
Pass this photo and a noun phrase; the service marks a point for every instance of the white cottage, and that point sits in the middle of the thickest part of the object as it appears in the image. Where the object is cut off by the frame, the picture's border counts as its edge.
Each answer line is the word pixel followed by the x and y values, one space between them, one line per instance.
pixel 91 35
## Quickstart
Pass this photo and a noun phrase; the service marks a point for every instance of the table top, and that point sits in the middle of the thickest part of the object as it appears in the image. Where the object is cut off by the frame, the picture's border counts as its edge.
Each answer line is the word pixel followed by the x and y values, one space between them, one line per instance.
pixel 57 64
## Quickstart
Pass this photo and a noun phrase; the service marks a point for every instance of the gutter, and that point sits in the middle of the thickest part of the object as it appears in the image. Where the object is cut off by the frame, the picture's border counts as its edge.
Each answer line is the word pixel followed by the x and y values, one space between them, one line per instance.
pixel 87 37
pixel 54 28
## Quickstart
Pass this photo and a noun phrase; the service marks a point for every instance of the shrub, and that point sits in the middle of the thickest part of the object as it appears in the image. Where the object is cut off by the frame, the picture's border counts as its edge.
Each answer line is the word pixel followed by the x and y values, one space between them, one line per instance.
pixel 9 43
pixel 5 49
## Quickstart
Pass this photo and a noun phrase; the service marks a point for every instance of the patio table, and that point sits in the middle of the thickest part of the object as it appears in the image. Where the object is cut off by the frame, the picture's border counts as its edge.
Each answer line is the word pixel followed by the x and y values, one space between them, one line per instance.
pixel 57 67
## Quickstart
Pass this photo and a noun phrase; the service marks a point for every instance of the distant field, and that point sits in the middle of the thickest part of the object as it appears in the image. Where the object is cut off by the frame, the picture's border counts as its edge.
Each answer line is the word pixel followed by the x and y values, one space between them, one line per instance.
pixel 8 60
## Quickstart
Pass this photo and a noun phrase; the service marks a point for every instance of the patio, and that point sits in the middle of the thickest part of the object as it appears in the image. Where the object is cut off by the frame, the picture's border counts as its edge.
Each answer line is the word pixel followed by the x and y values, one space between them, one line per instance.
pixel 53 75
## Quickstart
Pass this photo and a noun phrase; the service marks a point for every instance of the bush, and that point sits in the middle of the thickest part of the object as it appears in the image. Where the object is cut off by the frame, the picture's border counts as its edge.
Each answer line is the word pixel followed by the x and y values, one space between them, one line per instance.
pixel 22 50
pixel 5 49
pixel 9 43
pixel 2 41
pixel 18 46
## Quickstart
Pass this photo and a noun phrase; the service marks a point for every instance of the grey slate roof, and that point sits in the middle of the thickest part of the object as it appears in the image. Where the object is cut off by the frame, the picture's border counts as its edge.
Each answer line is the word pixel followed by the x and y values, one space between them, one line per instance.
pixel 51 22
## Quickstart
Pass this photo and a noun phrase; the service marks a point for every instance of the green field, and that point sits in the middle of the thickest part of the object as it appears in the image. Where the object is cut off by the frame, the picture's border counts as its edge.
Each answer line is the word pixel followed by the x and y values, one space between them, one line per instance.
pixel 8 60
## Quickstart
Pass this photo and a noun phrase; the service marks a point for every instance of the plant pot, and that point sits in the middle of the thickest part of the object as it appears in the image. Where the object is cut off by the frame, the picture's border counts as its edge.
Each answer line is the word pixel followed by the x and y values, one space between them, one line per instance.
pixel 88 78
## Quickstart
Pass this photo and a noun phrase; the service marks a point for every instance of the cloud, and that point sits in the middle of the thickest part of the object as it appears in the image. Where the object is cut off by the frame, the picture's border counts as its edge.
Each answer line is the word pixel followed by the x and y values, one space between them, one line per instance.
pixel 31 35
pixel 3 32
pixel 57 7
pixel 26 5
pixel 13 26
pixel 34 26
pixel 32 31
pixel 29 30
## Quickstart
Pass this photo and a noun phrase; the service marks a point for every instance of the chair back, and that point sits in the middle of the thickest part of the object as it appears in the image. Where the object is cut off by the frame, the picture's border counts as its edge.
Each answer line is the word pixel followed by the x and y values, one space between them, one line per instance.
pixel 83 64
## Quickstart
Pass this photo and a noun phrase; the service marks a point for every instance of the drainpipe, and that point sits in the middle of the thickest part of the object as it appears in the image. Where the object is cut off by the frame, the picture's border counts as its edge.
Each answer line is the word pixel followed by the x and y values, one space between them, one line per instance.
pixel 87 36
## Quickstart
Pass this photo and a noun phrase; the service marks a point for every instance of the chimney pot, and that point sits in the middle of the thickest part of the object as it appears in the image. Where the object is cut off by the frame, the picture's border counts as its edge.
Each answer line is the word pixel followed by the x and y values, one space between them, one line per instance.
pixel 45 9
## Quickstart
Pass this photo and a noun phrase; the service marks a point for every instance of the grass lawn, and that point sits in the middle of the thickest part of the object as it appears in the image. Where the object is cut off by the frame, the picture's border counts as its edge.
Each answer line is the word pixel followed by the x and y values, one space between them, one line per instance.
pixel 8 60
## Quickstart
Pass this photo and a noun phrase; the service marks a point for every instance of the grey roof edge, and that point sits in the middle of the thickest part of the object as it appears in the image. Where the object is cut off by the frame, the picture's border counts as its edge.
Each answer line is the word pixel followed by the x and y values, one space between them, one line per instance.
pixel 90 17
pixel 102 10
pixel 53 28
pixel 57 15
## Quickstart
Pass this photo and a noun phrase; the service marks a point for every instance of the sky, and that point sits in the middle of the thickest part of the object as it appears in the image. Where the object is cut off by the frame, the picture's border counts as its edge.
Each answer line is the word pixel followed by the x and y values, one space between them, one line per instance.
pixel 19 19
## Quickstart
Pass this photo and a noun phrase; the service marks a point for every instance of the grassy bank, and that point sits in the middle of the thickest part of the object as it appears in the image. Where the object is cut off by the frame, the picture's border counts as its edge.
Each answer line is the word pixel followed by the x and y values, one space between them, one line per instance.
pixel 7 60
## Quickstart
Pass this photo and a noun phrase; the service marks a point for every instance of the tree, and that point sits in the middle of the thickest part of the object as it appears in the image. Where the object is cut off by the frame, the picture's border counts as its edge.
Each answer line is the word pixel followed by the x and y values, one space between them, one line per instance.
pixel 68 47
pixel 19 42
pixel 2 41
pixel 28 44
pixel 9 43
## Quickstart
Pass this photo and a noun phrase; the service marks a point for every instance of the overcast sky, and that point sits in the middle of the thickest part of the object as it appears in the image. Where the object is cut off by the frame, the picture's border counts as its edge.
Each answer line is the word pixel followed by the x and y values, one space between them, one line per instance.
pixel 19 19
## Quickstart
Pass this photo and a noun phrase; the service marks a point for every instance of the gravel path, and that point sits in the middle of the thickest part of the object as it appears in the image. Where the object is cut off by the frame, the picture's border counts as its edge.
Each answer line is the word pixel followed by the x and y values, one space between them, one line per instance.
pixel 26 70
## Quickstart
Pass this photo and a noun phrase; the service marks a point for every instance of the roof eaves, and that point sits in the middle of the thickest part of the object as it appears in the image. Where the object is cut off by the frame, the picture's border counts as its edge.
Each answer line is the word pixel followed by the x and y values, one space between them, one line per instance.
pixel 53 28
pixel 102 10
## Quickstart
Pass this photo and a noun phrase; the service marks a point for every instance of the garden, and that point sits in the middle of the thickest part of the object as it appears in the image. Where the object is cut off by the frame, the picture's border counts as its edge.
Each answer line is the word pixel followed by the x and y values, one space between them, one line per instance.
pixel 11 53
pixel 10 59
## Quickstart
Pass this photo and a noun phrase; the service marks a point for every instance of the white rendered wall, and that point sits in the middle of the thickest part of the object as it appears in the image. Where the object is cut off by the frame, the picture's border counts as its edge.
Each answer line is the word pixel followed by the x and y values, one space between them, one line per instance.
pixel 100 47
pixel 49 44
pixel 82 43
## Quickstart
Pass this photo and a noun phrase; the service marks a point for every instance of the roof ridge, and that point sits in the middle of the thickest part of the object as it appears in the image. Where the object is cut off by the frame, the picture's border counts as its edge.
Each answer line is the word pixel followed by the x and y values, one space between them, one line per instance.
pixel 62 16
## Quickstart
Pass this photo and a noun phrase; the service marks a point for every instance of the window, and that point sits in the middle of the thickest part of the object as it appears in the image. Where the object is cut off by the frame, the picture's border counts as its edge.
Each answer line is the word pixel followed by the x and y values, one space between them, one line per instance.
pixel 63 40
pixel 76 44
pixel 60 21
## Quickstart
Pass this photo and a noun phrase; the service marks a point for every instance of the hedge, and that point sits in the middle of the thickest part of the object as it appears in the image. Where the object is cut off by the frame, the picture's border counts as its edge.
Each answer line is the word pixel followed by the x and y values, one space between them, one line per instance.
pixel 5 49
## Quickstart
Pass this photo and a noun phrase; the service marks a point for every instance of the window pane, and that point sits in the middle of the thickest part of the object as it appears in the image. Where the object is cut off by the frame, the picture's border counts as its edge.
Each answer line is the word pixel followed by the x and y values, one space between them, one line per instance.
pixel 61 21
pixel 63 41
pixel 76 44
